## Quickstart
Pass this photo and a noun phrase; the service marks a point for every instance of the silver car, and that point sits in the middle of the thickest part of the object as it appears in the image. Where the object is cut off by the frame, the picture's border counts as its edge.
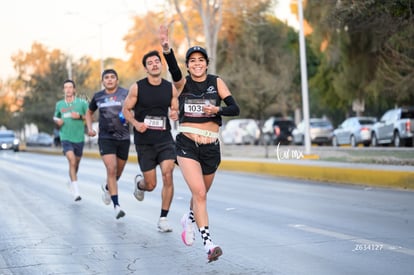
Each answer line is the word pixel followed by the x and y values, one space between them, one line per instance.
pixel 41 139
pixel 320 131
pixel 9 141
pixel 395 127
pixel 354 131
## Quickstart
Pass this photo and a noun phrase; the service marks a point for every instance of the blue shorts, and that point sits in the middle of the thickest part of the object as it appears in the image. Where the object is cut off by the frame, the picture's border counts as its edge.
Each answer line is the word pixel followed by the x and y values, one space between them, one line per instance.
pixel 208 155
pixel 76 147
pixel 150 155
pixel 120 148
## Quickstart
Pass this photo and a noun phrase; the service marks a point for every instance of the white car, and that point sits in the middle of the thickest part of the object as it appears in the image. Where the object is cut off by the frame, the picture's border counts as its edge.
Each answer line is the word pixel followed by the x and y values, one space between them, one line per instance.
pixel 241 131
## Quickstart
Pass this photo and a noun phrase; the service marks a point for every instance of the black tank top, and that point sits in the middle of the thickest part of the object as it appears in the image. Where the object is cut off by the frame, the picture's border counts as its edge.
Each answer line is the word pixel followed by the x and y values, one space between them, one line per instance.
pixel 194 96
pixel 152 108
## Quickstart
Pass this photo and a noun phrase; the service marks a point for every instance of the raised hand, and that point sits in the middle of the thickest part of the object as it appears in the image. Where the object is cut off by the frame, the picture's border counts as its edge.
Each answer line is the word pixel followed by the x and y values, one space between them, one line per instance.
pixel 164 37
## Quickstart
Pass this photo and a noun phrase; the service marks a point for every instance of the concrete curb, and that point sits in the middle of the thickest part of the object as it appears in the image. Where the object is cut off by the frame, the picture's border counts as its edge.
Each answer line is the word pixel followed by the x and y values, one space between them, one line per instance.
pixel 317 172
pixel 359 176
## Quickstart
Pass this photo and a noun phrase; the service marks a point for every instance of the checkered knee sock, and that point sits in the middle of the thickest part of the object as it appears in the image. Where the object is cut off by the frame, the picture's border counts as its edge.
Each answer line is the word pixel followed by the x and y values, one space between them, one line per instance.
pixel 205 234
pixel 191 216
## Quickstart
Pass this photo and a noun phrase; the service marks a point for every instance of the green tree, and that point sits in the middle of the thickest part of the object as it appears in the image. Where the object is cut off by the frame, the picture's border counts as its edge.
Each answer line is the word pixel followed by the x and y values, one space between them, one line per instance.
pixel 5 115
pixel 259 64
pixel 369 50
pixel 41 75
pixel 44 91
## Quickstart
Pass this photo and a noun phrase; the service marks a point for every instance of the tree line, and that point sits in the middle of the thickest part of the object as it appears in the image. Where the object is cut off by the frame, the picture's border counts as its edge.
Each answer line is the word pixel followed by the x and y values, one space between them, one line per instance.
pixel 357 51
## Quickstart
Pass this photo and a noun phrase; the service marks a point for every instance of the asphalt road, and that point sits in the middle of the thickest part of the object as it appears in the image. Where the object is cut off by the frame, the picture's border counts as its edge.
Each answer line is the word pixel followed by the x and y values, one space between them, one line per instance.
pixel 265 225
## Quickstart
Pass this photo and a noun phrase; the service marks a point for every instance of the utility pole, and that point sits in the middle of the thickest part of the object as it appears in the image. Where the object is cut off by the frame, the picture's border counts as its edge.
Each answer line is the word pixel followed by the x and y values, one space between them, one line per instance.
pixel 304 79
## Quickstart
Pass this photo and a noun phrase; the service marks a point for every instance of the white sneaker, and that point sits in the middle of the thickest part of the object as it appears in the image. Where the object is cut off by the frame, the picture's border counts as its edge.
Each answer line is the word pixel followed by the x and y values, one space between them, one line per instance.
pixel 213 252
pixel 163 225
pixel 73 188
pixel 188 234
pixel 139 194
pixel 106 197
pixel 119 213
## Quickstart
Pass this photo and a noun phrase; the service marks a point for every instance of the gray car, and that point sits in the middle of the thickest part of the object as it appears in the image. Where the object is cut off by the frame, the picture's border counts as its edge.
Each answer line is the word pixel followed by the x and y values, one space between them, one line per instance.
pixel 41 139
pixel 320 132
pixel 354 131
pixel 395 127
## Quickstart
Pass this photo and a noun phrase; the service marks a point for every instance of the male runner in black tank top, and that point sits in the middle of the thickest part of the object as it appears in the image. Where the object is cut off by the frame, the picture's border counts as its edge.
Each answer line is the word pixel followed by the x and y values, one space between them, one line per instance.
pixel 150 100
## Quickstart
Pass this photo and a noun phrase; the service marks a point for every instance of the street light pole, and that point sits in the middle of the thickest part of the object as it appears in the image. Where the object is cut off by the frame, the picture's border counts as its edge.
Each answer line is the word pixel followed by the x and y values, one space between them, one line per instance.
pixel 69 67
pixel 101 46
pixel 100 26
pixel 304 78
pixel 101 50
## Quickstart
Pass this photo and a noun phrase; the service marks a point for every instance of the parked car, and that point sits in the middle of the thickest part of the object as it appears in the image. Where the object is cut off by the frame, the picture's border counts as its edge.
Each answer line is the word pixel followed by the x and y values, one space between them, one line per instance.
pixel 395 127
pixel 354 131
pixel 41 139
pixel 320 132
pixel 241 131
pixel 9 141
pixel 278 130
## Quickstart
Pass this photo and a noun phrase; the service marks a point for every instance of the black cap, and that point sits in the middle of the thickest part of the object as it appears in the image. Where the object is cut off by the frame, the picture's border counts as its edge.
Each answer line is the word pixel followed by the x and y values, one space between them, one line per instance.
pixel 109 71
pixel 196 49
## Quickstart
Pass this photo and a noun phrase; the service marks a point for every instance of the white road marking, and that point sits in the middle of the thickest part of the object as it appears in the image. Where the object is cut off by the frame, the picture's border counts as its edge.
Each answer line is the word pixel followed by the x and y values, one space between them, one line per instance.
pixel 355 239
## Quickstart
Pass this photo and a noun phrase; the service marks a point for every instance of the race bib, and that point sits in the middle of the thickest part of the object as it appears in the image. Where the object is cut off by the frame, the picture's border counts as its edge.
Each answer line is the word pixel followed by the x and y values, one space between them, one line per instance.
pixel 194 107
pixel 156 122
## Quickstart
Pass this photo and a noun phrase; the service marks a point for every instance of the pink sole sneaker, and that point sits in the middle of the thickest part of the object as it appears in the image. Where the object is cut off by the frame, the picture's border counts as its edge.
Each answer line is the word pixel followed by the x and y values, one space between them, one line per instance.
pixel 214 254
pixel 183 238
pixel 190 241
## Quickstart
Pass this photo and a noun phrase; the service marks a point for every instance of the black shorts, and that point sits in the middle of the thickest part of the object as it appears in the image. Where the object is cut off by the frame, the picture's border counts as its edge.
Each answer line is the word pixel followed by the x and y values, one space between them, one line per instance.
pixel 76 147
pixel 111 146
pixel 150 155
pixel 208 155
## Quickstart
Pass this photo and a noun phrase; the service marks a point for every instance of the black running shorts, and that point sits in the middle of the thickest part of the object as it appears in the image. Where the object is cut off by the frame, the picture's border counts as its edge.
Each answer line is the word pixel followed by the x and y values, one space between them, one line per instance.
pixel 150 155
pixel 208 155
pixel 112 146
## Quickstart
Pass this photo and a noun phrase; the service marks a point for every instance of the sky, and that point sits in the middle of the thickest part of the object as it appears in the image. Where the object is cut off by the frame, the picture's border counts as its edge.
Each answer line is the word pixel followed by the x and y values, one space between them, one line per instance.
pixel 77 27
